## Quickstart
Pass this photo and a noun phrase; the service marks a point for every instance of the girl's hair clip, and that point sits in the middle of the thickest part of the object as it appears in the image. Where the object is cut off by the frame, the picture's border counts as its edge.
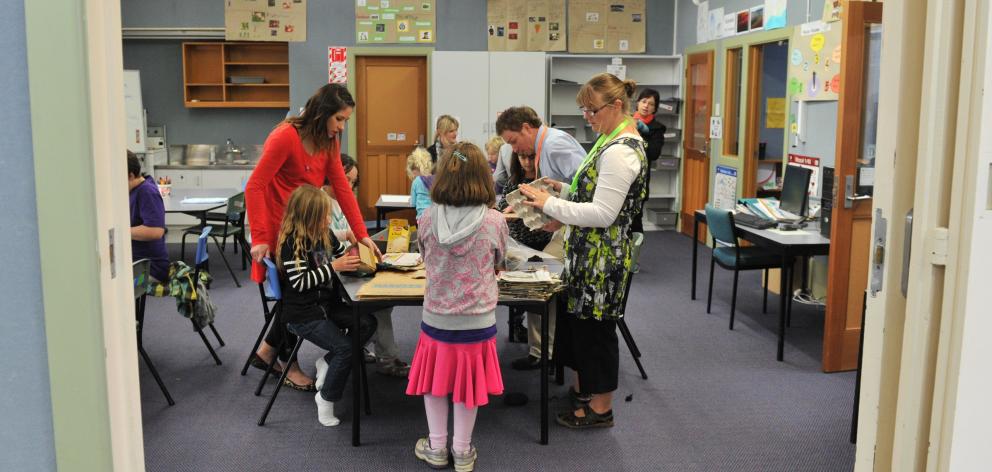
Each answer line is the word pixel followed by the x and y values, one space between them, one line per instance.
pixel 459 155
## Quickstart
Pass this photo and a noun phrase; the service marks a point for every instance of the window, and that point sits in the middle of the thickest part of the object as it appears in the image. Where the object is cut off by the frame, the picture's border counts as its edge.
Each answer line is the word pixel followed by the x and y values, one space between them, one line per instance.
pixel 732 102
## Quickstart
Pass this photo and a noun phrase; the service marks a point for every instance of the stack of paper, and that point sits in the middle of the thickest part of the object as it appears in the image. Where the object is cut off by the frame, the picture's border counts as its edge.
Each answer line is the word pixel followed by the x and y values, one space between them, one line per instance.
pixel 528 285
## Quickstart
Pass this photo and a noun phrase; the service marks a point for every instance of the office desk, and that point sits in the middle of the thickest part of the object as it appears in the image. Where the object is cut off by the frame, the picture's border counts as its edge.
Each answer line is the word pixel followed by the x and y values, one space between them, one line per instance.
pixel 383 207
pixel 349 292
pixel 790 246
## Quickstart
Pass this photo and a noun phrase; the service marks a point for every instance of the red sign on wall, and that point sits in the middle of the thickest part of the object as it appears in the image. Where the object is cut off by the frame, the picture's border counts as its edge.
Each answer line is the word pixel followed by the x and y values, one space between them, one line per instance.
pixel 337 65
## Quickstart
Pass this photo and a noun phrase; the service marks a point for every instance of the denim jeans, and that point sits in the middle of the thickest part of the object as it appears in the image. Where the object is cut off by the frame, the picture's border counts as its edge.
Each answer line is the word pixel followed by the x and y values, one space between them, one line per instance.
pixel 327 334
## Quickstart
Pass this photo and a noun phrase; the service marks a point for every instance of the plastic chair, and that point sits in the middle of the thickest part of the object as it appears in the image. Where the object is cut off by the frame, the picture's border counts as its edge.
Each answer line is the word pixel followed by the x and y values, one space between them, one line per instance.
pixel 638 240
pixel 202 261
pixel 728 253
pixel 270 292
pixel 141 269
pixel 275 292
pixel 234 227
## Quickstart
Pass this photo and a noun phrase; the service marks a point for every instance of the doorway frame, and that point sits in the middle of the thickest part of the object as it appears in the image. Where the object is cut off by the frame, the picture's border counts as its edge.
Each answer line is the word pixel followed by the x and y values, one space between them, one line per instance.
pixel 705 48
pixel 413 51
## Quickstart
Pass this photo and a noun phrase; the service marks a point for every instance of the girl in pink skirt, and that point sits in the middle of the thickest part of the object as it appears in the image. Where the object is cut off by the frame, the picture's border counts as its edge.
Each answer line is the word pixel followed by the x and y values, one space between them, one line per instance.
pixel 463 242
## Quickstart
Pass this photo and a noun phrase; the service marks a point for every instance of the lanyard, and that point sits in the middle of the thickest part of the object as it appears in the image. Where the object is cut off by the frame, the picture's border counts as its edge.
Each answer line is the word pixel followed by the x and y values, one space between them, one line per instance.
pixel 603 139
pixel 537 152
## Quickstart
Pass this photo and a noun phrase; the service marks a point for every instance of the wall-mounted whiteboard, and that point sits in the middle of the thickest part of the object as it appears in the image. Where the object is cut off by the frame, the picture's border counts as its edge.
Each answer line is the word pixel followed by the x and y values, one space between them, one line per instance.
pixel 134 111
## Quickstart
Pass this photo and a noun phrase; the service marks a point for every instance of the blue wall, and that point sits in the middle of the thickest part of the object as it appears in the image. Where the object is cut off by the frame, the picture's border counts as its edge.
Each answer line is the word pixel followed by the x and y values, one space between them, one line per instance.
pixel 461 27
pixel 25 404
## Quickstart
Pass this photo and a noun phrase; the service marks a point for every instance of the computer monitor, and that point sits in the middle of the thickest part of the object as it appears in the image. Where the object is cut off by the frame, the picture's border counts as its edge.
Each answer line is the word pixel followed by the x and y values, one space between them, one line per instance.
pixel 795 190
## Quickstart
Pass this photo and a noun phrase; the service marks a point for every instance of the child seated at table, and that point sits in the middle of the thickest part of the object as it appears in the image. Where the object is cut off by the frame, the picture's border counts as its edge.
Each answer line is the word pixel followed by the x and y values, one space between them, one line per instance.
pixel 463 242
pixel 311 308
pixel 419 168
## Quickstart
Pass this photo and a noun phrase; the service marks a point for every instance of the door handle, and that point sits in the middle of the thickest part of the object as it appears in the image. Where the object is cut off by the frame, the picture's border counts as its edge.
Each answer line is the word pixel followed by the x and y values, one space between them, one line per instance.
pixel 907 251
pixel 849 196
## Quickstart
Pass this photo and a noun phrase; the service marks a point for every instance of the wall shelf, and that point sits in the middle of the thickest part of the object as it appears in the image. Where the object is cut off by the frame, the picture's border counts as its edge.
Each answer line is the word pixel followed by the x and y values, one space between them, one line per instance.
pixel 209 66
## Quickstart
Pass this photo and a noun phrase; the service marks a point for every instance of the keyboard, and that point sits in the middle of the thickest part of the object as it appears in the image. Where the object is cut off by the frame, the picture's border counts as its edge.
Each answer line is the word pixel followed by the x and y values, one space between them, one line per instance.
pixel 752 221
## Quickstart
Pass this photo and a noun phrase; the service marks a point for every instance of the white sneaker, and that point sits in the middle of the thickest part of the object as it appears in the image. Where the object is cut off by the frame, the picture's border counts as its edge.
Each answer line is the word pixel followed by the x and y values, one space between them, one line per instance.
pixel 465 461
pixel 321 373
pixel 325 411
pixel 435 458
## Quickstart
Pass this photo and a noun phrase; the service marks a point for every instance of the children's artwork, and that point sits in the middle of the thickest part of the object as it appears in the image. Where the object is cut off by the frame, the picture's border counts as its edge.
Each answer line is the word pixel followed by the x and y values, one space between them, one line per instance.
pixel 813 164
pixel 831 10
pixel 775 14
pixel 601 27
pixel 521 25
pixel 814 62
pixel 702 22
pixel 725 188
pixel 252 20
pixel 395 21
pixel 757 17
pixel 715 23
pixel 743 21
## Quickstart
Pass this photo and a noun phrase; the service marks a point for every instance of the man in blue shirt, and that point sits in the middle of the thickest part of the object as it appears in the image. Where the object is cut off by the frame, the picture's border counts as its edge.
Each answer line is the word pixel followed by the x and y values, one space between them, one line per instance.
pixel 557 153
pixel 147 220
pixel 558 156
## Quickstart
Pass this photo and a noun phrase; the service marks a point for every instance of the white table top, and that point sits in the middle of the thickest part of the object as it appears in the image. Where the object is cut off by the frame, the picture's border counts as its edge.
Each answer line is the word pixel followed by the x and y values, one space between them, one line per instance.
pixel 174 201
pixel 393 201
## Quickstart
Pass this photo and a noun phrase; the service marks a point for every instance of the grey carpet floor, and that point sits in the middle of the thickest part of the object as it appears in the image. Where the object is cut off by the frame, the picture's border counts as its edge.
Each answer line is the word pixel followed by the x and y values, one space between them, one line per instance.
pixel 716 399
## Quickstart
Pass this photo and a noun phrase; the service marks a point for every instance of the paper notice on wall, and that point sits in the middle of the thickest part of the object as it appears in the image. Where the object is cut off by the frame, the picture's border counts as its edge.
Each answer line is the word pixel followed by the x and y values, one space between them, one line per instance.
pixel 251 20
pixel 725 188
pixel 601 27
pixel 702 22
pixel 775 14
pixel 715 23
pixel 729 27
pixel 716 127
pixel 775 113
pixel 618 70
pixel 522 25
pixel 337 65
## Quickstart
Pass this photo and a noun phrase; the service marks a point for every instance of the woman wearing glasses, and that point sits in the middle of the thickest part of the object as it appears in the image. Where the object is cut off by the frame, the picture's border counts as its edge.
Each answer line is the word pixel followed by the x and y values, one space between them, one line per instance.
pixel 598 206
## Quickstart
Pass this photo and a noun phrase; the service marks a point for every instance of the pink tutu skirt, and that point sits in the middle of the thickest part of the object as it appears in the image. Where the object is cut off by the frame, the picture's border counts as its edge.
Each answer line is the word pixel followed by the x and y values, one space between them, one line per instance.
pixel 468 372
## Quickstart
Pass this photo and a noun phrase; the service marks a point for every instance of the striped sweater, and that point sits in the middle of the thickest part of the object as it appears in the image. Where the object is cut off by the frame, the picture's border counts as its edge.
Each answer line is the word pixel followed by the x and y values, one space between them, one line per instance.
pixel 307 282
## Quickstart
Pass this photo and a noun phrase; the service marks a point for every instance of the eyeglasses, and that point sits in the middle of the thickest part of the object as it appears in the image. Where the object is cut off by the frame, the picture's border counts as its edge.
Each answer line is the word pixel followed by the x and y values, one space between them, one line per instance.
pixel 591 113
pixel 525 157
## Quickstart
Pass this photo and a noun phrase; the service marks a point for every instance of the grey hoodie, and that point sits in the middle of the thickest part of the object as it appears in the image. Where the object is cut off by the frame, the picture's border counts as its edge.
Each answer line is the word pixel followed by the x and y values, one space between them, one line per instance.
pixel 453 224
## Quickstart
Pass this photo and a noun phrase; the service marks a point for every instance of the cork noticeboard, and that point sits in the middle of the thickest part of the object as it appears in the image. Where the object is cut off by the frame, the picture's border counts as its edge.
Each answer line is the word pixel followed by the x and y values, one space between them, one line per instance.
pixel 265 20
pixel 521 25
pixel 395 21
pixel 609 27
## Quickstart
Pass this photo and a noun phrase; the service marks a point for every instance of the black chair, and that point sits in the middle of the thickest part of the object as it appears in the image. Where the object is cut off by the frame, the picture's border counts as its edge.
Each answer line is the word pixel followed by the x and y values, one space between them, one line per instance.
pixel 201 262
pixel 275 292
pixel 270 294
pixel 142 269
pixel 728 253
pixel 638 239
pixel 234 227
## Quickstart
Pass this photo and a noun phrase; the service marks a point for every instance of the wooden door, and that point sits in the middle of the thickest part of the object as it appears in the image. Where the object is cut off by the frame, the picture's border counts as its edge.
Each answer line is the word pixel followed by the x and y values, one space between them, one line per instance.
pixel 392 118
pixel 850 235
pixel 696 138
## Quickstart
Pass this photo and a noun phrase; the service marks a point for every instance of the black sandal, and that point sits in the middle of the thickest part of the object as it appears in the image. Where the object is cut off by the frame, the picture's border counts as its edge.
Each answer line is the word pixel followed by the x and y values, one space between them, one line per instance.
pixel 577 400
pixel 590 420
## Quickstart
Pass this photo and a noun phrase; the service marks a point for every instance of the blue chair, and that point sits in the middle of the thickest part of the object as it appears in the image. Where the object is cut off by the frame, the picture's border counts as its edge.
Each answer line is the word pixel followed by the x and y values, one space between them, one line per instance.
pixel 270 292
pixel 275 292
pixel 202 262
pixel 142 269
pixel 728 253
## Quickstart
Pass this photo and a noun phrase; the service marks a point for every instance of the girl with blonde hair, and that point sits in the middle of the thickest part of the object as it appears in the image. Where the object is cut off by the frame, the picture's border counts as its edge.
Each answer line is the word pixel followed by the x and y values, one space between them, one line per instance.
pixel 419 168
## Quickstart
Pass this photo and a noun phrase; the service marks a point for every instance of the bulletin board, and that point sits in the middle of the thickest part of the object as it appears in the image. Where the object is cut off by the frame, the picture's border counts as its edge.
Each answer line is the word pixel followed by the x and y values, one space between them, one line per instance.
pixel 521 25
pixel 814 61
pixel 394 21
pixel 595 26
pixel 265 20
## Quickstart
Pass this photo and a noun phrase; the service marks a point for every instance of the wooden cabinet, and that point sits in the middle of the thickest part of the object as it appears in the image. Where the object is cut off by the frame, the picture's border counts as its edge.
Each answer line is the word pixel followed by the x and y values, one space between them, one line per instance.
pixel 236 75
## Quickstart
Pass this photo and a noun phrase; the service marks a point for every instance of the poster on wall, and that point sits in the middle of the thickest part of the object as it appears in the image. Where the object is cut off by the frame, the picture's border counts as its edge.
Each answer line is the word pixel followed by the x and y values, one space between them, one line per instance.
pixel 725 188
pixel 813 164
pixel 715 23
pixel 337 65
pixel 521 25
pixel 757 18
pixel 702 22
pixel 394 21
pixel 729 27
pixel 831 10
pixel 265 20
pixel 775 14
pixel 814 62
pixel 601 27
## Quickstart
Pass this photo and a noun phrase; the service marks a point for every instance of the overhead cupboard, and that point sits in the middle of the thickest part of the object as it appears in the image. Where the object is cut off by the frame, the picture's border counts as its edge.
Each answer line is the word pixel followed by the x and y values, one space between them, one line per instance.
pixel 566 75
pixel 475 86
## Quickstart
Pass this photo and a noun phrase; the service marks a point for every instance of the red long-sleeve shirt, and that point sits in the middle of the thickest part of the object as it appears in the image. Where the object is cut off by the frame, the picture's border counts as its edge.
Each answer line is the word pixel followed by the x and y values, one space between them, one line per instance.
pixel 284 166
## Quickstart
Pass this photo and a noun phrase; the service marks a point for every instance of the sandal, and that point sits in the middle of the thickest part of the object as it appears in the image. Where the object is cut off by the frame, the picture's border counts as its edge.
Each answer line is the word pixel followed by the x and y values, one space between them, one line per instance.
pixel 577 399
pixel 258 363
pixel 590 420
pixel 303 388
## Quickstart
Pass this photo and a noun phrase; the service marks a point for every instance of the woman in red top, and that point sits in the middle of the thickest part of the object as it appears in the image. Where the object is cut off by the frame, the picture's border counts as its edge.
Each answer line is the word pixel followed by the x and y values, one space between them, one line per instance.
pixel 304 149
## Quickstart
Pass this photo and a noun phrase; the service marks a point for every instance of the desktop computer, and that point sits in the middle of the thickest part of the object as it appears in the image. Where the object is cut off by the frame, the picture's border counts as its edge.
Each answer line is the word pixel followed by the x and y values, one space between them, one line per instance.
pixel 795 191
pixel 827 202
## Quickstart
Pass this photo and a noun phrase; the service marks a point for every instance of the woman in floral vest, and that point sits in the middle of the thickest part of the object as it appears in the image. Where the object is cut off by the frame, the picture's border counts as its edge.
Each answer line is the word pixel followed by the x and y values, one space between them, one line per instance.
pixel 597 207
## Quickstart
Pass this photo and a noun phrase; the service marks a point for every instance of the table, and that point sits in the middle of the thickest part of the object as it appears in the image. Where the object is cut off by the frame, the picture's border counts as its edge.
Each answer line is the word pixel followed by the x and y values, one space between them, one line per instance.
pixel 790 246
pixel 349 292
pixel 174 204
pixel 382 207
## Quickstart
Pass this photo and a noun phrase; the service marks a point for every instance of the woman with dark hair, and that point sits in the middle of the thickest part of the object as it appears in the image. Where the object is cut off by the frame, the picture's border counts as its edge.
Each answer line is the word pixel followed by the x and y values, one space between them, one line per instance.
pixel 653 132
pixel 303 149
pixel 523 171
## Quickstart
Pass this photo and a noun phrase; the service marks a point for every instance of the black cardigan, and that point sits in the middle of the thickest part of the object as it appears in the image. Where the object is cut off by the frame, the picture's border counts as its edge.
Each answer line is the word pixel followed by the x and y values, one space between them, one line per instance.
pixel 654 138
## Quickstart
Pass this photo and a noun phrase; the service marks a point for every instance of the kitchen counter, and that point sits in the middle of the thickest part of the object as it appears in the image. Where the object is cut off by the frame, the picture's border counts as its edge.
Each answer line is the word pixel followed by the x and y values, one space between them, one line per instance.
pixel 207 167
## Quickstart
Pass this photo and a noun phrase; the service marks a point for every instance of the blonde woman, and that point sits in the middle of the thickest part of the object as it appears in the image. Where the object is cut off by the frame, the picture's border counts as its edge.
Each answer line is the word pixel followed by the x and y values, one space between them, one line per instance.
pixel 492 155
pixel 419 168
pixel 598 205
pixel 445 135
